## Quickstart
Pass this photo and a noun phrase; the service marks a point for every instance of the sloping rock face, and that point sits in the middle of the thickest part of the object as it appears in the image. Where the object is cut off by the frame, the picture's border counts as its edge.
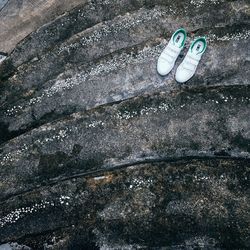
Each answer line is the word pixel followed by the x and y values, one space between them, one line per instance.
pixel 100 152
pixel 20 17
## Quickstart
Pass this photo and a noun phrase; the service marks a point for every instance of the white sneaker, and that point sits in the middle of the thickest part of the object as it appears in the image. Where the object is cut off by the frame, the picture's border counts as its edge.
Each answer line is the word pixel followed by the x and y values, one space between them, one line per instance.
pixel 169 55
pixel 189 65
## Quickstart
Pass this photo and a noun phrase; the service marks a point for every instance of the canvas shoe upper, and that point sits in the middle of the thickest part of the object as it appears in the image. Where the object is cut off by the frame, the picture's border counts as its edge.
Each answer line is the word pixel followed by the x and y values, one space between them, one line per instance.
pixel 189 65
pixel 169 55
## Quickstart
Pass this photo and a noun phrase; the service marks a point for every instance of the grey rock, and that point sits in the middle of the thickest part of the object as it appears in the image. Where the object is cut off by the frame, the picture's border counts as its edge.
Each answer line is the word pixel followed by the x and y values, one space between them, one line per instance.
pixel 21 17
pixel 2 3
pixel 5 247
pixel 185 203
pixel 97 151
pixel 75 75
pixel 13 246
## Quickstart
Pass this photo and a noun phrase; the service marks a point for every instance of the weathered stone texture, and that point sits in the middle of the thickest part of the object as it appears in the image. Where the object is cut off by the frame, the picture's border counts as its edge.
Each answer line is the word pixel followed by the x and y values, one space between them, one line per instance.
pixel 100 152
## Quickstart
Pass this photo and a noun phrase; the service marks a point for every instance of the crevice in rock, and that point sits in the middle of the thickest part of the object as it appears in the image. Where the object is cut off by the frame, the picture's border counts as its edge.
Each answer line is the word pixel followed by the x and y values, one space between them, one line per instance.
pixel 217 155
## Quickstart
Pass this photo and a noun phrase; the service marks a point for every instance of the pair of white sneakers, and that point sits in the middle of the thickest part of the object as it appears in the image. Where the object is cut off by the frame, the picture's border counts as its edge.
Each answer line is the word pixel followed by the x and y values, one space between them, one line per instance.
pixel 189 65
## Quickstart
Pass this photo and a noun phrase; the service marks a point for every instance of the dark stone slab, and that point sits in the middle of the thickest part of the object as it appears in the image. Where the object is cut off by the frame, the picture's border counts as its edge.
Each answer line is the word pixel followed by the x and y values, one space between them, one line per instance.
pixel 214 122
pixel 176 205
pixel 100 152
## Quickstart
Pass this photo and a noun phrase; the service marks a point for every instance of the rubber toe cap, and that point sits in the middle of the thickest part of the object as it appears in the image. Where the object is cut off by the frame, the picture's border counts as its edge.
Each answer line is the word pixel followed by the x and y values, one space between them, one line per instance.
pixel 181 76
pixel 163 68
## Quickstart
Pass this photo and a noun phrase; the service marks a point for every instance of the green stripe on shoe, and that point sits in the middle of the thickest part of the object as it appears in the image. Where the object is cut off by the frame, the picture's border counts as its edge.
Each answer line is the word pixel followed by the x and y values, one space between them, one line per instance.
pixel 202 39
pixel 184 33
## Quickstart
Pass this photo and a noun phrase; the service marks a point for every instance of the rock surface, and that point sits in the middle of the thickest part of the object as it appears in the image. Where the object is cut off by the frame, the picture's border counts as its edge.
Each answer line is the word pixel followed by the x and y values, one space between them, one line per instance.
pixel 21 17
pixel 100 152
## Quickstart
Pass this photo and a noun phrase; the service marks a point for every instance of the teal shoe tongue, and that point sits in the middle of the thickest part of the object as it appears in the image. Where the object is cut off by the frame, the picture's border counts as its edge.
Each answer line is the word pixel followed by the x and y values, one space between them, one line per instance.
pixel 199 46
pixel 178 39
